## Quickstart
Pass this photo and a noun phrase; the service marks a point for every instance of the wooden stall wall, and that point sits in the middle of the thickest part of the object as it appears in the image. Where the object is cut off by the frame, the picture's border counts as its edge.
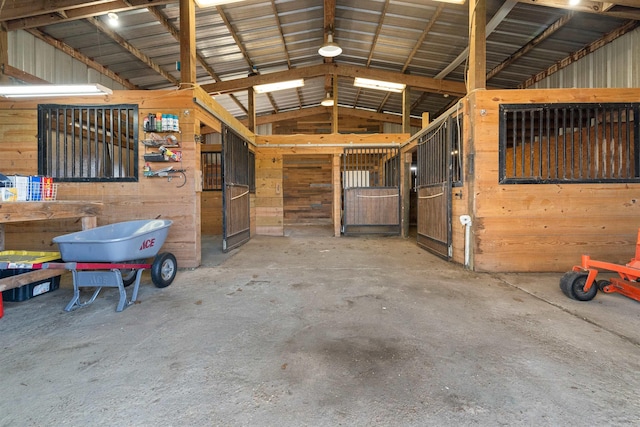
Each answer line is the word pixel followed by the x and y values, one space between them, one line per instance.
pixel 269 202
pixel 270 151
pixel 307 189
pixel 150 197
pixel 543 227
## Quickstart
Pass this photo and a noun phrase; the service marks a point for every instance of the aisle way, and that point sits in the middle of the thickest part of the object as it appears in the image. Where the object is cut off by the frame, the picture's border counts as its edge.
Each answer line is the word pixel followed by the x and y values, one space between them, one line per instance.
pixel 313 330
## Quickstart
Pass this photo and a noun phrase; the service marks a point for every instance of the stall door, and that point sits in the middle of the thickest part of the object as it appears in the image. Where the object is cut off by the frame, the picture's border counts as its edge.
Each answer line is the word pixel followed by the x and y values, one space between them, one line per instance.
pixel 236 227
pixel 371 190
pixel 434 191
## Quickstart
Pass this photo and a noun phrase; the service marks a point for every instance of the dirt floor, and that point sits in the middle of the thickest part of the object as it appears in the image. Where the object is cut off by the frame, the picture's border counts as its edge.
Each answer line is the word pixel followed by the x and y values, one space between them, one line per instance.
pixel 313 330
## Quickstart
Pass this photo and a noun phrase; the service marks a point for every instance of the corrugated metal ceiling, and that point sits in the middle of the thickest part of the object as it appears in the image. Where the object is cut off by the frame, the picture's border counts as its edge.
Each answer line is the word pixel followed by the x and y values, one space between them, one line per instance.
pixel 416 37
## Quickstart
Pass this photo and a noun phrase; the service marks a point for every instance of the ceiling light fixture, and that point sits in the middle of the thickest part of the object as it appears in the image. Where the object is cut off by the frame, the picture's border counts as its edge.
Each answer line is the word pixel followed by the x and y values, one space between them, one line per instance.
pixel 36 91
pixel 452 1
pixel 272 87
pixel 574 2
pixel 379 85
pixel 209 3
pixel 112 19
pixel 328 101
pixel 330 49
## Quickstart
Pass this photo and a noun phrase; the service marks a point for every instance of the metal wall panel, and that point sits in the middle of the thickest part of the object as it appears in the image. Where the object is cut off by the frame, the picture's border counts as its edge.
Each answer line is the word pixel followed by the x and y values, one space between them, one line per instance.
pixel 29 54
pixel 612 66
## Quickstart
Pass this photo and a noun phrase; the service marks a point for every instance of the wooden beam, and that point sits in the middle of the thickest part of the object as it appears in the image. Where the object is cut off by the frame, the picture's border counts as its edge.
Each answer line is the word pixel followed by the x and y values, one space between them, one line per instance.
pixel 4 52
pixel 335 114
pixel 337 195
pixel 342 111
pixel 10 71
pixel 550 30
pixel 477 45
pixel 406 110
pixel 77 55
pixel 25 15
pixel 188 42
pixel 417 82
pixel 133 50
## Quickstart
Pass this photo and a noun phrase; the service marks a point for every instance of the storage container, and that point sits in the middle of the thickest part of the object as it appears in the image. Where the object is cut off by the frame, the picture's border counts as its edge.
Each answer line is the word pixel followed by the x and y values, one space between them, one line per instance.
pixel 33 289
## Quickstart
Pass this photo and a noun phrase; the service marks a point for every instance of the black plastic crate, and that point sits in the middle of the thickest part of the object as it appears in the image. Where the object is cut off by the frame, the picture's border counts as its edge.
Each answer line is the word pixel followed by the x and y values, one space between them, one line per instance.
pixel 29 290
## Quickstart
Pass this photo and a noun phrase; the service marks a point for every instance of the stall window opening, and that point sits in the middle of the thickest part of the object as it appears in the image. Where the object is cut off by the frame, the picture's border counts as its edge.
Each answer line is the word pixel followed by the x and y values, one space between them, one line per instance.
pixel 88 143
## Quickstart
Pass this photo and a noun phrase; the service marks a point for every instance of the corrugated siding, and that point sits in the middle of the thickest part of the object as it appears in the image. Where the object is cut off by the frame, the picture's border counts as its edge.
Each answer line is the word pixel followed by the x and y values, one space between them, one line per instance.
pixel 42 60
pixel 612 66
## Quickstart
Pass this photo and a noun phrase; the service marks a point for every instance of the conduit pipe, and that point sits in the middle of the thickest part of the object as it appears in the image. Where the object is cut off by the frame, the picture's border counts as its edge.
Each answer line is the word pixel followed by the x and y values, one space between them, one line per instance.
pixel 465 220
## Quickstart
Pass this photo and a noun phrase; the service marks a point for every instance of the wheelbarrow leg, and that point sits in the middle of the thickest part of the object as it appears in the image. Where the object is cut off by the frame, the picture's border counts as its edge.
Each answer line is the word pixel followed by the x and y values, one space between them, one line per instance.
pixel 75 301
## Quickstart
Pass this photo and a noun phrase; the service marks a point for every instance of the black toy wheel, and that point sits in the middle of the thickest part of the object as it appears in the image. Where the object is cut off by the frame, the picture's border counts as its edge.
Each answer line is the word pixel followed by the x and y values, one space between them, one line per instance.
pixel 164 269
pixel 572 284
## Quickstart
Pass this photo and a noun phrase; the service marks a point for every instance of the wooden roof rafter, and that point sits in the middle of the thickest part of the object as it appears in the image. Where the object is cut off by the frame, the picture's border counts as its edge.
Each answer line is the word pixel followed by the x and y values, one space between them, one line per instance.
pixel 24 15
pixel 419 82
pixel 416 46
pixel 133 50
pixel 162 19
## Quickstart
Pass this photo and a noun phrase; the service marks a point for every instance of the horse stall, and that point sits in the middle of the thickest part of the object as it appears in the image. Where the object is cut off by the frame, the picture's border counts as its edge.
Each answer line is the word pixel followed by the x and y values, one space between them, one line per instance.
pixel 551 175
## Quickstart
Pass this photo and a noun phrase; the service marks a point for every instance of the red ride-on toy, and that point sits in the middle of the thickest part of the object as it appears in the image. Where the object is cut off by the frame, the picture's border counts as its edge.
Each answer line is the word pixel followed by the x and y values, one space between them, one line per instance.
pixel 580 283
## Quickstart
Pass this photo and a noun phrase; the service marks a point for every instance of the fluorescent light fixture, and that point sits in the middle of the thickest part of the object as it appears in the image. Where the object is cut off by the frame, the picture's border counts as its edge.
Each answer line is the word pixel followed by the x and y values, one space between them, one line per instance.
pixel 330 49
pixel 328 101
pixel 208 3
pixel 272 87
pixel 574 2
pixel 379 85
pixel 36 91
pixel 452 1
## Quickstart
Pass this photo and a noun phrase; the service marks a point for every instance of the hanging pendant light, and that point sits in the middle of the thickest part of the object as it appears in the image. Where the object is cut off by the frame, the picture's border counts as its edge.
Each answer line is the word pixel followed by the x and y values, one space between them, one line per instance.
pixel 328 101
pixel 330 49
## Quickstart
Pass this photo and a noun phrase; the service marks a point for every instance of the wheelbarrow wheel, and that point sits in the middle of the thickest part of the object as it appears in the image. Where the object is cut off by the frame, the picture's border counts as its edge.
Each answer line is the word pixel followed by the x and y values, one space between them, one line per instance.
pixel 129 274
pixel 164 269
pixel 572 284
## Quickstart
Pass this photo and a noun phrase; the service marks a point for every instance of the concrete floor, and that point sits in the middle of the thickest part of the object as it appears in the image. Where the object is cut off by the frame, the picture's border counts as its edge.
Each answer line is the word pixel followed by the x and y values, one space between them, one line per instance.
pixel 312 330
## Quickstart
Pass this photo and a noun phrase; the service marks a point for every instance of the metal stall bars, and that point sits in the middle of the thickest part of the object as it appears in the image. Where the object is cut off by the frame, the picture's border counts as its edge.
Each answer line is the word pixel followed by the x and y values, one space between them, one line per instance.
pixel 236 221
pixel 439 169
pixel 371 190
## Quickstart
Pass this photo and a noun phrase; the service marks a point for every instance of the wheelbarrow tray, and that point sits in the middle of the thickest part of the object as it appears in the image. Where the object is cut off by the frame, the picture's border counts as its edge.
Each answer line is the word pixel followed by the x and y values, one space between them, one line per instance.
pixel 119 242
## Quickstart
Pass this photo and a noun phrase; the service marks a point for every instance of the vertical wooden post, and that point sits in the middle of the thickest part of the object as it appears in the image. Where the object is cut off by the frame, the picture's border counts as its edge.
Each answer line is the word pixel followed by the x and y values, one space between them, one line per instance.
pixel 406 110
pixel 334 110
pixel 405 180
pixel 425 119
pixel 187 42
pixel 4 54
pixel 252 109
pixel 477 78
pixel 337 196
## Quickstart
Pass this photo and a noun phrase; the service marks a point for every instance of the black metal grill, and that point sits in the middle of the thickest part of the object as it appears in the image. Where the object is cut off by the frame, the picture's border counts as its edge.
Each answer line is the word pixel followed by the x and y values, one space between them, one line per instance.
pixel 212 171
pixel 88 143
pixel 570 143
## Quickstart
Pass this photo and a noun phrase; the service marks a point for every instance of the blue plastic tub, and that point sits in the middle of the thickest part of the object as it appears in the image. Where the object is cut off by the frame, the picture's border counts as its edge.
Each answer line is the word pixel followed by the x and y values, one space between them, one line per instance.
pixel 115 243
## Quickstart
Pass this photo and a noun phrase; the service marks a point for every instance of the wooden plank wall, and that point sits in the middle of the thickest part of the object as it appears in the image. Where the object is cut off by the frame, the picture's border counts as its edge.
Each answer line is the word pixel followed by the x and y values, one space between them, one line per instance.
pixel 307 189
pixel 537 227
pixel 149 198
pixel 269 204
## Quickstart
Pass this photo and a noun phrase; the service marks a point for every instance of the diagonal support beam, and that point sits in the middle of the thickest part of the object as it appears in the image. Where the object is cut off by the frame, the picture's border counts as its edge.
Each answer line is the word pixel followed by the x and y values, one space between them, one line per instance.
pixel 133 50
